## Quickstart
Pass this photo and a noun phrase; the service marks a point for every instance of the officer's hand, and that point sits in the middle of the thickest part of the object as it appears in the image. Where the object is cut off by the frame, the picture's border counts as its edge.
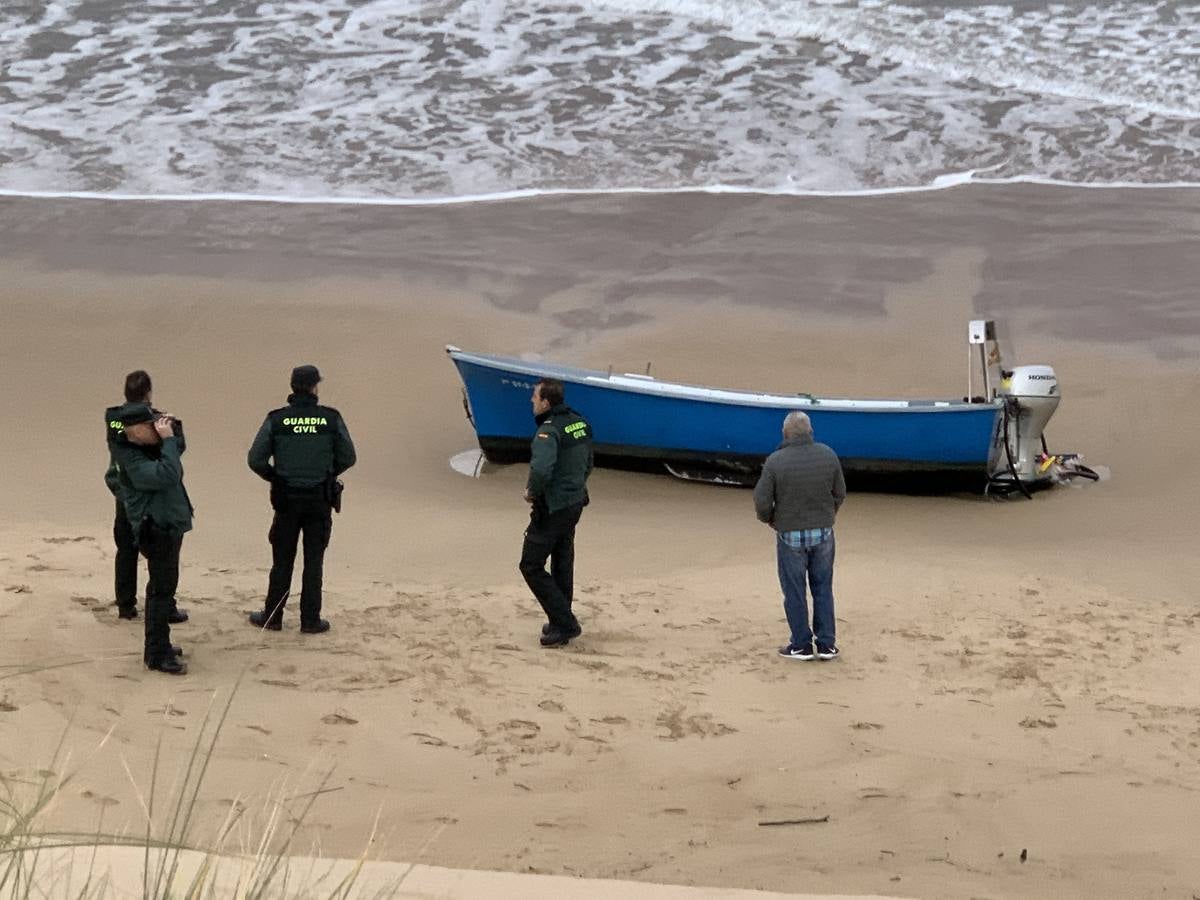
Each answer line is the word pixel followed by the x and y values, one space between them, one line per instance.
pixel 163 426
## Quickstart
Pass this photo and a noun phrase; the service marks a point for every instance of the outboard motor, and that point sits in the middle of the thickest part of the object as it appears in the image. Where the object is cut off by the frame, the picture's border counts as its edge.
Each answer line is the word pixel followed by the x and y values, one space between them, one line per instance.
pixel 1030 395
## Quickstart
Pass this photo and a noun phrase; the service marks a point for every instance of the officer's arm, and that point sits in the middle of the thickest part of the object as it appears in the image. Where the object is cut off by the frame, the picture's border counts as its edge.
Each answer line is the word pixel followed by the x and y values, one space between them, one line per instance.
pixel 112 476
pixel 343 448
pixel 839 486
pixel 259 457
pixel 764 495
pixel 146 474
pixel 544 454
pixel 179 437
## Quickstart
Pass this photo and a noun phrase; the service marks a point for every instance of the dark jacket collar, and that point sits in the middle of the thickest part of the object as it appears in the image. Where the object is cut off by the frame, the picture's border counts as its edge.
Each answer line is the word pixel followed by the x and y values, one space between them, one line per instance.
pixel 805 441
pixel 549 414
pixel 302 398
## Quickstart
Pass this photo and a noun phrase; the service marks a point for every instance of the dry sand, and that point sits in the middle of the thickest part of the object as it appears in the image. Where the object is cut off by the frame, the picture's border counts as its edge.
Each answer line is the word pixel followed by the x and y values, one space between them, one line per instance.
pixel 1016 676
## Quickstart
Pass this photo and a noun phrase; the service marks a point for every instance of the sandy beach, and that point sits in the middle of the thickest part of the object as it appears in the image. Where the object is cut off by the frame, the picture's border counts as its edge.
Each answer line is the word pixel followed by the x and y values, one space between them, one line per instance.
pixel 1016 713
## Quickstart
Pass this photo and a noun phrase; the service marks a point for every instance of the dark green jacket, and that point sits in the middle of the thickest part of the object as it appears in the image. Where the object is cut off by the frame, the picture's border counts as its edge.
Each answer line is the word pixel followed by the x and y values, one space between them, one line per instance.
pixel 151 485
pixel 307 441
pixel 113 429
pixel 560 459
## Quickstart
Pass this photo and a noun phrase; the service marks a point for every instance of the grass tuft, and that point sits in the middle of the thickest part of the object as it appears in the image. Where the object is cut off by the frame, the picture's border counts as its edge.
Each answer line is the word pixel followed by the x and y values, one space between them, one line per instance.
pixel 170 868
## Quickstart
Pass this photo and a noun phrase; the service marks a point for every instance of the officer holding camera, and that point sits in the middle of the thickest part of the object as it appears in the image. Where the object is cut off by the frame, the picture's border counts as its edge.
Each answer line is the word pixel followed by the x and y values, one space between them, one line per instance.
pixel 301 449
pixel 150 485
pixel 138 388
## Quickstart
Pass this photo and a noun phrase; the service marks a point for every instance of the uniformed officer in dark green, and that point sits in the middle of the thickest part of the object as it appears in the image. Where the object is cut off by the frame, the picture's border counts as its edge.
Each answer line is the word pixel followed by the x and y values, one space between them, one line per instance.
pixel 138 388
pixel 559 466
pixel 300 449
pixel 150 483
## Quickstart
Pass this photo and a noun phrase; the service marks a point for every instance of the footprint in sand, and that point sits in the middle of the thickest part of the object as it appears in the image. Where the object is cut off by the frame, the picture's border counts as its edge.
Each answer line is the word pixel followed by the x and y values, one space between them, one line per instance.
pixel 522 728
pixel 612 720
pixel 19 589
pixel 1031 722
pixel 866 726
pixel 873 793
pixel 338 718
pixel 5 706
pixel 68 540
pixel 430 740
pixel 680 726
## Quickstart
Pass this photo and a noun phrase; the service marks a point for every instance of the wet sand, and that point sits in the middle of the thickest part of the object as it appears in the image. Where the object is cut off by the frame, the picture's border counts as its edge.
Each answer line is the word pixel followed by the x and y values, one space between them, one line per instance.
pixel 1015 675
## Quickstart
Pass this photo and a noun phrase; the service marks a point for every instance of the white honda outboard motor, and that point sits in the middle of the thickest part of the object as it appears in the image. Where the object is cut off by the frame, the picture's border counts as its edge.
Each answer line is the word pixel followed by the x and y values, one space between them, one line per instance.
pixel 1027 396
pixel 1030 395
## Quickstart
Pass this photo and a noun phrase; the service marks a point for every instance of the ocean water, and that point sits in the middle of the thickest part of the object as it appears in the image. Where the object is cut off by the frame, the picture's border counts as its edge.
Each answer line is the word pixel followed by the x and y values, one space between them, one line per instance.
pixel 391 101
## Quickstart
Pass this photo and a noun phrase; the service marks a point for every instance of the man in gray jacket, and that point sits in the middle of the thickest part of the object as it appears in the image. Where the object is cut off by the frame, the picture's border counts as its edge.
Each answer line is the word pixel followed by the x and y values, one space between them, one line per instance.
pixel 798 494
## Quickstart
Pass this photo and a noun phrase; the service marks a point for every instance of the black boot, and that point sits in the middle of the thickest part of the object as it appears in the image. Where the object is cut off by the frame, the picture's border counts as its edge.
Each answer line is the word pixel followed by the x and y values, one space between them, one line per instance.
pixel 170 665
pixel 556 638
pixel 318 627
pixel 264 619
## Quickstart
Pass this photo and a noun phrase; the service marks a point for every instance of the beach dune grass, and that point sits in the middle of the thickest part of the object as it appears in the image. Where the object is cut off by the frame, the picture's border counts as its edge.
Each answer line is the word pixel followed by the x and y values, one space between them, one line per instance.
pixel 242 859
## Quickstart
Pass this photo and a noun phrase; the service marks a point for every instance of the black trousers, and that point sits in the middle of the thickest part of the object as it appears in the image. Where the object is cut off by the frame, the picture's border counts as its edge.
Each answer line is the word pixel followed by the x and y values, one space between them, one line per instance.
pixel 310 515
pixel 552 536
pixel 161 549
pixel 126 567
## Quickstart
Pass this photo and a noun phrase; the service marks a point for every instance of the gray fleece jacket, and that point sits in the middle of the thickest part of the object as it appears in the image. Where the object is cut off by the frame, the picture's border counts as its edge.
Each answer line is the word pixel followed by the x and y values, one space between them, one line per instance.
pixel 801 486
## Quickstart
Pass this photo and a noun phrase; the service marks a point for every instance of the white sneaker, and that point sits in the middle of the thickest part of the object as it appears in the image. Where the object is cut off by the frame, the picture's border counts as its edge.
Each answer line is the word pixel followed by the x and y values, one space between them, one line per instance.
pixel 791 651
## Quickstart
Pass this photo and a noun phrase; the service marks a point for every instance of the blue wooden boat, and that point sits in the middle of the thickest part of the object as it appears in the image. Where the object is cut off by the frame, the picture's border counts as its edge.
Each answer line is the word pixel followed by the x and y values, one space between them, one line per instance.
pixel 721 435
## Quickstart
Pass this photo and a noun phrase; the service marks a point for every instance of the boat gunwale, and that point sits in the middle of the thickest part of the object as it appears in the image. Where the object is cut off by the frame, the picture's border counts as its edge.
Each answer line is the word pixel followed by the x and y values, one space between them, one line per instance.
pixel 634 384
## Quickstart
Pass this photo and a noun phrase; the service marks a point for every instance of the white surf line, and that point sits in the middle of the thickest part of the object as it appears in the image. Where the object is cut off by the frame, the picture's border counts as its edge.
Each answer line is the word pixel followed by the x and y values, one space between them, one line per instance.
pixel 1093 186
pixel 940 183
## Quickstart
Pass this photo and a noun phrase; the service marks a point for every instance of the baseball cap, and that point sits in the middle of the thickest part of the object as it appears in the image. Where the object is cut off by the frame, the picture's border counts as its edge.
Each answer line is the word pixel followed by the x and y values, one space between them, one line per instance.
pixel 136 413
pixel 305 377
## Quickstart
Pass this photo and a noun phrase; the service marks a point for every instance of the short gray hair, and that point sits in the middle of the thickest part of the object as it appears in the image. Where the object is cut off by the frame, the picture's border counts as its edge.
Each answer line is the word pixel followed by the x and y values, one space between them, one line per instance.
pixel 796 425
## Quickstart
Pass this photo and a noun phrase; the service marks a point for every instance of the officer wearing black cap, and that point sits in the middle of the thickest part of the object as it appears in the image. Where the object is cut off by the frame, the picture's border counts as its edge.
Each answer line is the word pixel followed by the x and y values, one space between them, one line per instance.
pixel 150 484
pixel 300 449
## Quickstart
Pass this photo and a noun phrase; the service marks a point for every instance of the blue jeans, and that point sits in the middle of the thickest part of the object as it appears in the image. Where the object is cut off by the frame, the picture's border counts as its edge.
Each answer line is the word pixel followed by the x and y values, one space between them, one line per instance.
pixel 815 564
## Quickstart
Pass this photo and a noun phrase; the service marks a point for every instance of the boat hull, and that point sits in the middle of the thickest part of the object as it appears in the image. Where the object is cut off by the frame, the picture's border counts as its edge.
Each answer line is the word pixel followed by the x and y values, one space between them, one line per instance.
pixel 642 423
